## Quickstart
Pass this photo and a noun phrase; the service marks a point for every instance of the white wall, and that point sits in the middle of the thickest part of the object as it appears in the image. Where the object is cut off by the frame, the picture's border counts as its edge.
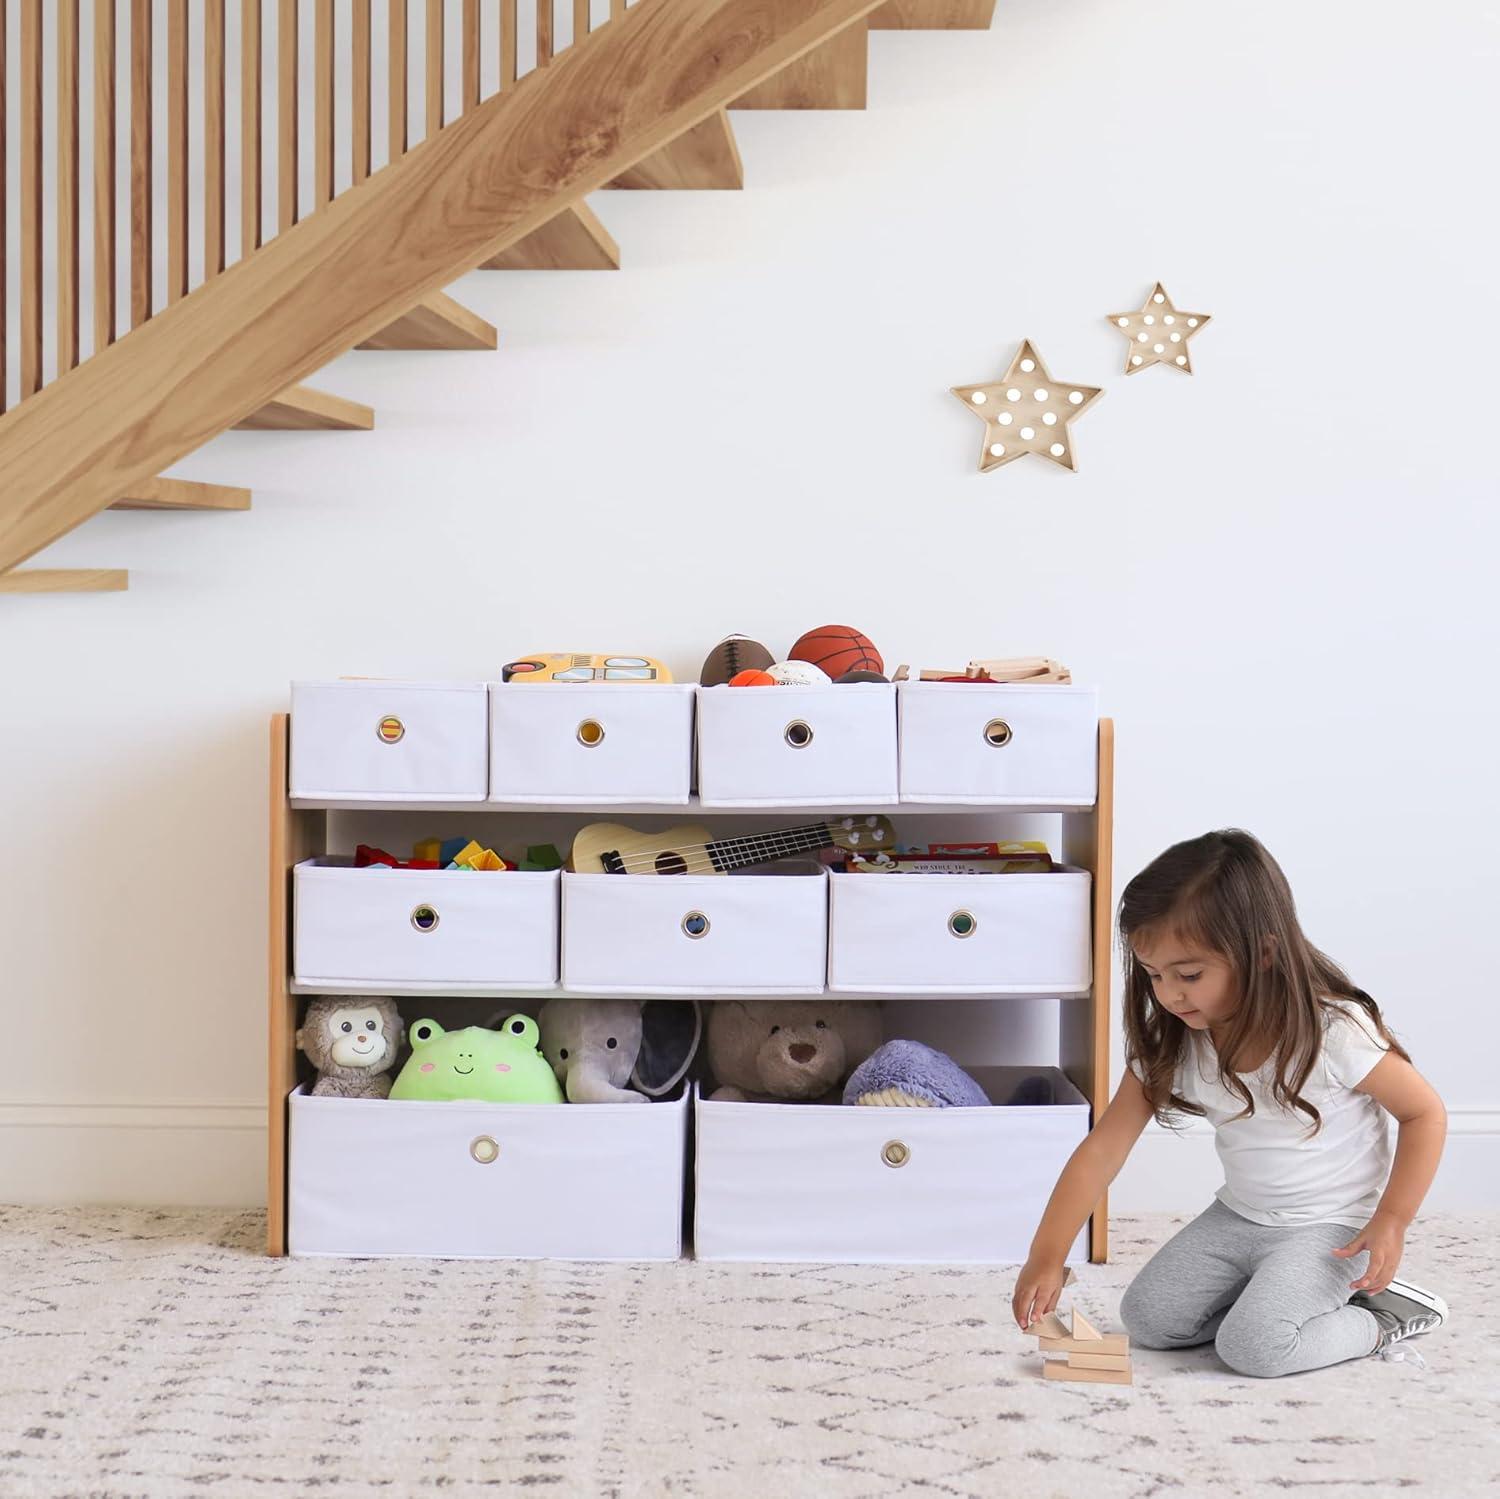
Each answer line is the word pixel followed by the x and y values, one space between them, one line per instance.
pixel 1279 572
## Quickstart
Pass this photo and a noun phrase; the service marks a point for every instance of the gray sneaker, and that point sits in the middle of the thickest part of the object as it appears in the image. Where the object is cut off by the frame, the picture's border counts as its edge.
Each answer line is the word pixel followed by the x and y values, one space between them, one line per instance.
pixel 1403 1311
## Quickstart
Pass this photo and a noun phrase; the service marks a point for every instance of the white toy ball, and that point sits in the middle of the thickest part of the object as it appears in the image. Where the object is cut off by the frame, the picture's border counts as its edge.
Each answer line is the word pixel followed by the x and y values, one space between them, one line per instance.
pixel 798 674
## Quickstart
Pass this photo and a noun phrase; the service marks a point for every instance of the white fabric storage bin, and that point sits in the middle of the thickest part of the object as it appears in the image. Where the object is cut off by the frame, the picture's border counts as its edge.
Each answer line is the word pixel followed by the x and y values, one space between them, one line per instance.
pixel 829 1182
pixel 634 934
pixel 389 741
pixel 482 1180
pixel 394 931
pixel 564 743
pixel 797 746
pixel 907 933
pixel 999 743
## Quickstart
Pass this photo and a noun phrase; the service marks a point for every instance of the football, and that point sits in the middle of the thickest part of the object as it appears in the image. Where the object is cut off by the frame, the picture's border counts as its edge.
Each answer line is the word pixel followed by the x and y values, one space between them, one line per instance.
pixel 732 655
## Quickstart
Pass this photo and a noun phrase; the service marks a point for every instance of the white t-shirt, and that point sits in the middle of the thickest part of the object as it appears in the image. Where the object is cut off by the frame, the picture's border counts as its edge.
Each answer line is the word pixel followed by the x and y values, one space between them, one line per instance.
pixel 1275 1171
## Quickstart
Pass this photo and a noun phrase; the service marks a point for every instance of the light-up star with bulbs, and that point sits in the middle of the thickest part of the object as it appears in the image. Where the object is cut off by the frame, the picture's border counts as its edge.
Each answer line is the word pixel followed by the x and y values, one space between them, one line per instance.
pixel 1159 333
pixel 1027 411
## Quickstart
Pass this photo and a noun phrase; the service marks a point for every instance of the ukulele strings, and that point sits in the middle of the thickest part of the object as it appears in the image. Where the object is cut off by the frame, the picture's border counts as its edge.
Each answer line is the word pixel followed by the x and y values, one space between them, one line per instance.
pixel 642 861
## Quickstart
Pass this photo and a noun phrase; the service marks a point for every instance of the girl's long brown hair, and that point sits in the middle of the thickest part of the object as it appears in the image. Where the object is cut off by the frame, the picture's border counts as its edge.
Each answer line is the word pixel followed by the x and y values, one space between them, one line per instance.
pixel 1224 893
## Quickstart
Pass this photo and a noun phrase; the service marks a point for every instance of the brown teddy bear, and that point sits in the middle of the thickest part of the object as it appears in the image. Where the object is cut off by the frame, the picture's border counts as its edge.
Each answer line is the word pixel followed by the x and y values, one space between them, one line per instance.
pixel 800 1050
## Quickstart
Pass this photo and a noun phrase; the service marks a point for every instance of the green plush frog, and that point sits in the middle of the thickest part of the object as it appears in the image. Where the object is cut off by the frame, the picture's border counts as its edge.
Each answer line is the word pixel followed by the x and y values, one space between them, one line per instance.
pixel 501 1066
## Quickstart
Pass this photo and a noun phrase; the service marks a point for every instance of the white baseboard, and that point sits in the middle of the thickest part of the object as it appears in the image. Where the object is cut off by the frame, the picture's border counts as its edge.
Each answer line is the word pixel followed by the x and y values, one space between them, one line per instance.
pixel 133 1154
pixel 214 1155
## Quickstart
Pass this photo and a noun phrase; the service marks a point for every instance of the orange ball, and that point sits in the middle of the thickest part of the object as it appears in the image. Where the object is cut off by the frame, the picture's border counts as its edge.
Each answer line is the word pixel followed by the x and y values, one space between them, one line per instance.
pixel 837 649
pixel 752 678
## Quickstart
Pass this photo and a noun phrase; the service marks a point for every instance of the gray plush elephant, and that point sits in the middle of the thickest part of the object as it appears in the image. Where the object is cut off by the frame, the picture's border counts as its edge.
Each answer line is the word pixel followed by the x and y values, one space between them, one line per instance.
pixel 619 1050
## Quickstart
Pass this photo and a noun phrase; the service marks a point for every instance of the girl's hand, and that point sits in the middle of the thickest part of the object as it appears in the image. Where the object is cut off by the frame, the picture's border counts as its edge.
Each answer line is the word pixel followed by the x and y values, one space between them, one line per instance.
pixel 1385 1237
pixel 1037 1289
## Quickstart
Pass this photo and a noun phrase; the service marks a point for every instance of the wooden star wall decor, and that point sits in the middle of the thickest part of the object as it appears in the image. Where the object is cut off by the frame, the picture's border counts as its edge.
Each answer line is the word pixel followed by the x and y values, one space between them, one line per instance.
pixel 1159 333
pixel 1027 411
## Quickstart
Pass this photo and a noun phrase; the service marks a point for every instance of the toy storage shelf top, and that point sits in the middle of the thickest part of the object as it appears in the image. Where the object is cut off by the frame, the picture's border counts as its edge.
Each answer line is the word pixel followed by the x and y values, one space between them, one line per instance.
pixel 692 807
pixel 503 992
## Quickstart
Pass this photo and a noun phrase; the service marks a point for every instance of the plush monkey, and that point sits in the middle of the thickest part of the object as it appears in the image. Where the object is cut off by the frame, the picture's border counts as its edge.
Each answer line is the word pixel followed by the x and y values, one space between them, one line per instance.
pixel 353 1044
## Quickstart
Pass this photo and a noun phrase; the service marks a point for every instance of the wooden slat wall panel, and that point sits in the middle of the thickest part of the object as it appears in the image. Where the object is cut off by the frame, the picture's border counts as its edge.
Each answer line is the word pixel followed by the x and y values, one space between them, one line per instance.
pixel 397 78
pixel 434 90
pixel 543 32
pixel 244 337
pixel 140 162
pixel 471 55
pixel 31 197
pixel 104 172
pixel 286 114
pixel 36 16
pixel 177 150
pixel 213 138
pixel 323 95
pixel 359 134
pixel 250 126
pixel 507 43
pixel 66 147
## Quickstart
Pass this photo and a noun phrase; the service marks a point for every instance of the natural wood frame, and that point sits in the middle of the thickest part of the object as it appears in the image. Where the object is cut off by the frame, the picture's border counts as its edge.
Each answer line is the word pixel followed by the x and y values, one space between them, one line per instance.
pixel 1084 1025
pixel 294 836
pixel 1083 1043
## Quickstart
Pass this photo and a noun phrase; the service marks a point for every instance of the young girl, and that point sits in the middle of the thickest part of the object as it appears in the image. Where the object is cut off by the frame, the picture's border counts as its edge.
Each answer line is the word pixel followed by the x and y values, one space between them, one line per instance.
pixel 1230 1012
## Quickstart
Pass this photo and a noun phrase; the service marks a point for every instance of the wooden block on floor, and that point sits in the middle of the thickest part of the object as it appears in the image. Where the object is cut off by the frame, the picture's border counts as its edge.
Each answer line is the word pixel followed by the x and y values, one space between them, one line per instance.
pixel 1110 1342
pixel 704 157
pixel 1098 1360
pixel 573 240
pixel 1055 1368
pixel 831 76
pixel 1084 1329
pixel 65 580
pixel 182 494
pixel 303 409
pixel 436 322
pixel 933 15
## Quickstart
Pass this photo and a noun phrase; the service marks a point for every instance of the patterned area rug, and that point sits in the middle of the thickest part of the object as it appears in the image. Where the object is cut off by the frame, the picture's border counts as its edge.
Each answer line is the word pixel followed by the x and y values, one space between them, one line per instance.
pixel 159 1353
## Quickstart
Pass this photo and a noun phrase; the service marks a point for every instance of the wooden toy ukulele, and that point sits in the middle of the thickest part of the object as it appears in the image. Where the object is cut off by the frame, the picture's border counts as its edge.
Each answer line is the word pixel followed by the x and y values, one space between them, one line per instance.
pixel 610 848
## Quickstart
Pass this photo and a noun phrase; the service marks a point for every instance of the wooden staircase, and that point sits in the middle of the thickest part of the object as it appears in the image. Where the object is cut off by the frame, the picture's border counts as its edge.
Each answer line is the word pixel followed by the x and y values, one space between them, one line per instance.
pixel 637 101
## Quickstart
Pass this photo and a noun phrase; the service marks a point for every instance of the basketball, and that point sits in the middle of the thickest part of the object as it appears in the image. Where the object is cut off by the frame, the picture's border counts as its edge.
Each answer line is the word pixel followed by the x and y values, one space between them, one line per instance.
pixel 750 677
pixel 838 649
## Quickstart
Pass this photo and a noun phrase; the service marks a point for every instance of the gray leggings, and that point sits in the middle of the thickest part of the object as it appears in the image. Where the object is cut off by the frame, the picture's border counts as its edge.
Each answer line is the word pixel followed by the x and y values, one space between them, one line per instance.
pixel 1271 1300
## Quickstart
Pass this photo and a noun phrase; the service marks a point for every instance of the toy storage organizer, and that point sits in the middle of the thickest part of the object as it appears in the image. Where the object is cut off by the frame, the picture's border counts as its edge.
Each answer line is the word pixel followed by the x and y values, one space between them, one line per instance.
pixel 1018 988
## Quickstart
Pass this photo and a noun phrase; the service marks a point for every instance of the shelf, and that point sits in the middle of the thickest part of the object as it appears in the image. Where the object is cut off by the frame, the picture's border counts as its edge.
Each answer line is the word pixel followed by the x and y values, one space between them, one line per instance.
pixel 691 809
pixel 494 991
pixel 300 830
